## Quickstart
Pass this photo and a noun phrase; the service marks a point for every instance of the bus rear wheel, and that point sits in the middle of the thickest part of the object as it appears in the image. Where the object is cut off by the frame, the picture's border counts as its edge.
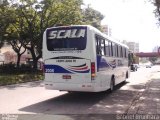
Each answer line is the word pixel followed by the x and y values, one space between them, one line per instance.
pixel 112 84
pixel 126 77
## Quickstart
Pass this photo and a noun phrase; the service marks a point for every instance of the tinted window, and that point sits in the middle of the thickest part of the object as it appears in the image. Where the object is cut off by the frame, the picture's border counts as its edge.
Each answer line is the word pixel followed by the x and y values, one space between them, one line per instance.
pixel 117 50
pixel 114 49
pixel 107 47
pixel 100 45
pixel 98 48
pixel 110 49
pixel 121 52
pixel 66 38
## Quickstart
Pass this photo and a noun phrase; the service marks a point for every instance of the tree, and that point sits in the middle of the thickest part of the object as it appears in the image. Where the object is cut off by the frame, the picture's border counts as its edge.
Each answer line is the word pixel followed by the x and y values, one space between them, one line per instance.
pixel 13 32
pixel 131 58
pixel 153 59
pixel 9 29
pixel 4 20
pixel 30 18
pixel 18 48
pixel 92 17
pixel 157 10
pixel 37 16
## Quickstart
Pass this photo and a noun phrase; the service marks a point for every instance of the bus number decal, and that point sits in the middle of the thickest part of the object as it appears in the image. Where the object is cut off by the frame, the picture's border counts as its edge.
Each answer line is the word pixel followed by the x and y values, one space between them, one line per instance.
pixel 65 60
pixel 49 71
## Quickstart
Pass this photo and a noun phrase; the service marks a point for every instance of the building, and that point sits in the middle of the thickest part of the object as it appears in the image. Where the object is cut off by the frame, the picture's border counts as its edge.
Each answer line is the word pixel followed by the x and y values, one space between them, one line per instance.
pixel 133 46
pixel 8 55
pixel 6 47
pixel 107 30
pixel 136 47
pixel 2 58
pixel 11 57
pixel 155 49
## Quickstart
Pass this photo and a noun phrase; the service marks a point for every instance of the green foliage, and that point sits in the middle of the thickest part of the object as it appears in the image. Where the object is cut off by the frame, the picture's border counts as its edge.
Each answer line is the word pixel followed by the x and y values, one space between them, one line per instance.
pixel 64 12
pixel 10 74
pixel 144 60
pixel 131 58
pixel 157 10
pixel 12 69
pixel 33 17
pixel 4 20
pixel 29 19
pixel 93 17
pixel 6 79
pixel 153 59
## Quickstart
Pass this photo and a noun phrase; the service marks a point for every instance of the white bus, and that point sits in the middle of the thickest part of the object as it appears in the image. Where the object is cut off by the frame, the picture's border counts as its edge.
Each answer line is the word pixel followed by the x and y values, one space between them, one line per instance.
pixel 81 58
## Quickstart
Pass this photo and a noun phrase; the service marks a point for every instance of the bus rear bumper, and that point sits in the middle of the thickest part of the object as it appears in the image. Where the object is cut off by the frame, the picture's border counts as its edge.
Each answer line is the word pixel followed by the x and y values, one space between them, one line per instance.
pixel 87 87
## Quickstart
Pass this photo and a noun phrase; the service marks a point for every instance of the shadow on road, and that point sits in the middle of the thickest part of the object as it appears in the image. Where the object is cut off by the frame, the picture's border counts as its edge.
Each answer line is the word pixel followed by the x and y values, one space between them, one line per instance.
pixel 84 103
pixel 66 103
pixel 92 106
pixel 148 100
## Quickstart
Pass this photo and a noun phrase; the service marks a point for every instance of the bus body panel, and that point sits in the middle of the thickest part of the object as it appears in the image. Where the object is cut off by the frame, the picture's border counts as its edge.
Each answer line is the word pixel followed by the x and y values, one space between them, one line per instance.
pixel 106 70
pixel 83 87
pixel 70 70
pixel 74 64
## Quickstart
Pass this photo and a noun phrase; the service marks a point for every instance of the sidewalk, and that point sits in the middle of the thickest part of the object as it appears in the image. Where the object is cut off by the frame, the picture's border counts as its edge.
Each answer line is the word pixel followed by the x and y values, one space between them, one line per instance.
pixel 148 101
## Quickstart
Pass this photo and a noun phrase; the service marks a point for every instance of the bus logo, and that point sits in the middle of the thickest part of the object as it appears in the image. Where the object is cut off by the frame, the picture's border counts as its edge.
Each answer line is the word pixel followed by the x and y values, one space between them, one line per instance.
pixel 72 33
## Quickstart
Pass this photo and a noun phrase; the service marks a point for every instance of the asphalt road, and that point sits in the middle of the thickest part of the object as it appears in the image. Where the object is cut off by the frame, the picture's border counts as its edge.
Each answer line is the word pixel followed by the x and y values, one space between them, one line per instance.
pixel 33 98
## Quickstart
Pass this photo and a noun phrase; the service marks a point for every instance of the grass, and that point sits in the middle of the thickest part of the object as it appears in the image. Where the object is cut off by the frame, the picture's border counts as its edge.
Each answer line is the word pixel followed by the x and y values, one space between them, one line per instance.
pixel 8 79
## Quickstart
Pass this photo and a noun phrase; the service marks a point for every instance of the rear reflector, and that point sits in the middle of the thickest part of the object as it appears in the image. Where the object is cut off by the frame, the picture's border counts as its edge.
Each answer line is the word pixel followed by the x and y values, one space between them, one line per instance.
pixel 93 70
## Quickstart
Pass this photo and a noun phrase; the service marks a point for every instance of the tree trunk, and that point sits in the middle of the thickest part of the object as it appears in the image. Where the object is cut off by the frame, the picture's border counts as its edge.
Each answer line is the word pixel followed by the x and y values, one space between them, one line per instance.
pixel 35 62
pixel 18 60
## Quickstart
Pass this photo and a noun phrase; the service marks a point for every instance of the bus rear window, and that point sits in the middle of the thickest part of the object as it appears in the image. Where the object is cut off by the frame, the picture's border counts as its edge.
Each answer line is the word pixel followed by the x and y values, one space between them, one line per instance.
pixel 66 38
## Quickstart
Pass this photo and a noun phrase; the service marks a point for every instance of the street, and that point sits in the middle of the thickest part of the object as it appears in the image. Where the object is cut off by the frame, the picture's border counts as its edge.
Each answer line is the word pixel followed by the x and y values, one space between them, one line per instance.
pixel 33 98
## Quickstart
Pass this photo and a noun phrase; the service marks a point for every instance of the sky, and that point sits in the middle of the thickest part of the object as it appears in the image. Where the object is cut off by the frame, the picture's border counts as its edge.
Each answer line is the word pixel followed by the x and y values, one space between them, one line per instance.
pixel 130 20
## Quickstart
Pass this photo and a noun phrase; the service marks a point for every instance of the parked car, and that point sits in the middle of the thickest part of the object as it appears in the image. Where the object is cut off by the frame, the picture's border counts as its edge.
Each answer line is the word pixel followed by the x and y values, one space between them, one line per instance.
pixel 148 66
pixel 137 65
pixel 134 67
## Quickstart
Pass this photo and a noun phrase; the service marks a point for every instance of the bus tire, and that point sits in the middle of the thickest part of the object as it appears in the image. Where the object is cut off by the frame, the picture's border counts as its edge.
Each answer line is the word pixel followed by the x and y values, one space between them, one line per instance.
pixel 70 92
pixel 125 77
pixel 112 84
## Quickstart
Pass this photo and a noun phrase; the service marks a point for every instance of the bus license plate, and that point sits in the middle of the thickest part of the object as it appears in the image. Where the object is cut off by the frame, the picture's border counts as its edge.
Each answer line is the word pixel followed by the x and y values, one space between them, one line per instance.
pixel 66 76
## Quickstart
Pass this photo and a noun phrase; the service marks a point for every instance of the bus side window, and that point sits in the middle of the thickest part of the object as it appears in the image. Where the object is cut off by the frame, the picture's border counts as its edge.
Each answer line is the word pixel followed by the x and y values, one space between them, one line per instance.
pixel 110 49
pixel 98 47
pixel 102 47
pixel 117 48
pixel 127 52
pixel 113 49
pixel 124 50
pixel 121 52
pixel 107 47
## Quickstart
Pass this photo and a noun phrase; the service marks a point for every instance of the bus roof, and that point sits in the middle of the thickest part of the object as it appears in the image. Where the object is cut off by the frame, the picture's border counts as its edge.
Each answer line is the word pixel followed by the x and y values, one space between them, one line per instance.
pixel 96 30
pixel 106 36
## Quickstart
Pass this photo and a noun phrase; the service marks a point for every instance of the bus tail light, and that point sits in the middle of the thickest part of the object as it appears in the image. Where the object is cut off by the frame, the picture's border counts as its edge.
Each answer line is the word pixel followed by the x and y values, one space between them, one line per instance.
pixel 93 70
